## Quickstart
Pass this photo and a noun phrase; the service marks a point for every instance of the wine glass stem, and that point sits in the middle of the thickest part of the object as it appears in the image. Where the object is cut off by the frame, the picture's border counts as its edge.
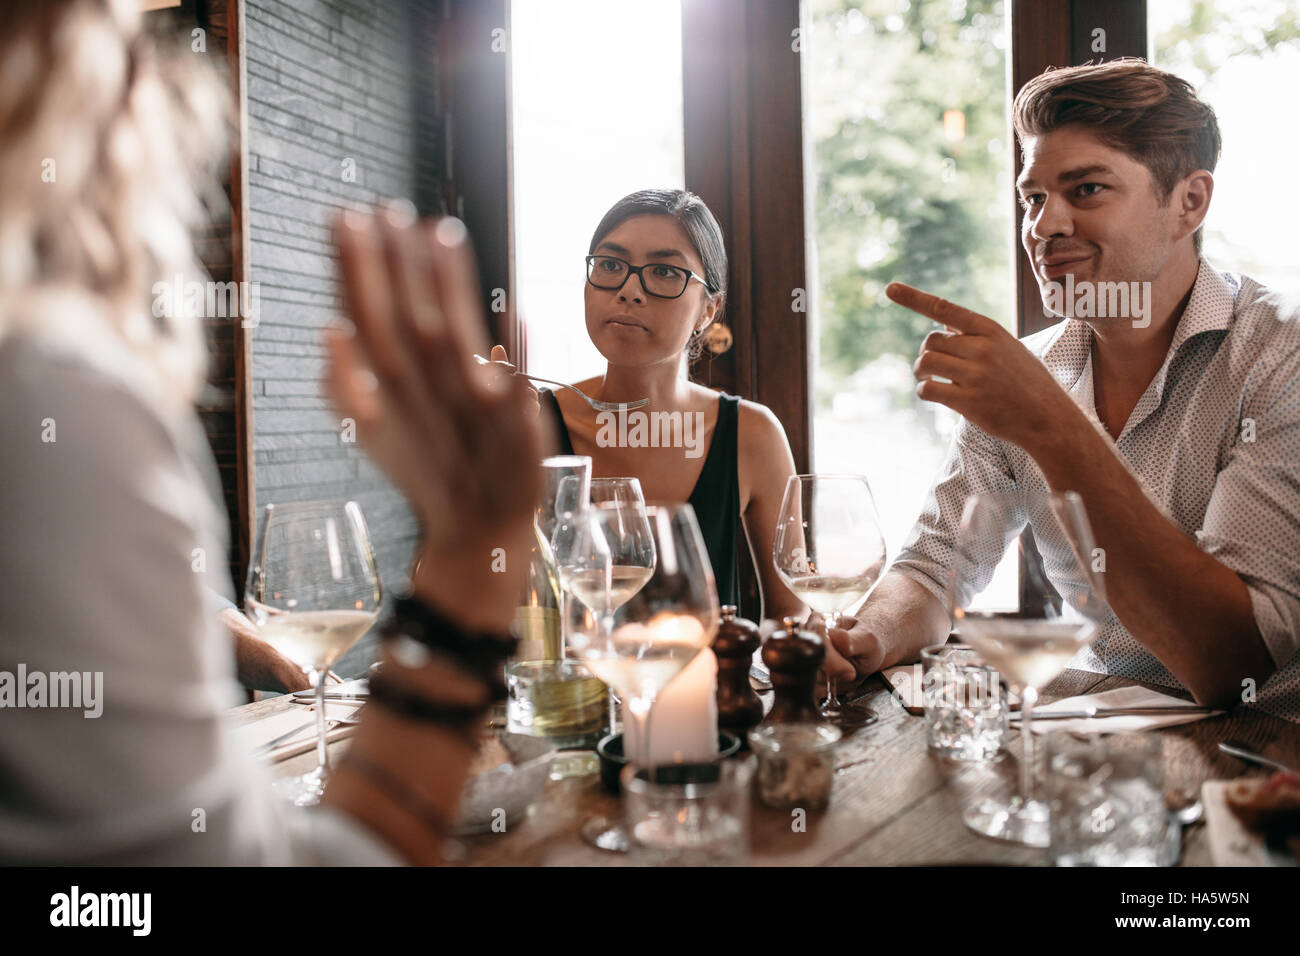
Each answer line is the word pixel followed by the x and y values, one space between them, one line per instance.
pixel 832 620
pixel 1027 698
pixel 637 711
pixel 322 750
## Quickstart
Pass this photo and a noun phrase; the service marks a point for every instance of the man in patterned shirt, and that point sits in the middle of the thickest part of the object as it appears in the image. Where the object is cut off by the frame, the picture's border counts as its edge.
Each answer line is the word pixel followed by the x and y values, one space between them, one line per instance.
pixel 1177 423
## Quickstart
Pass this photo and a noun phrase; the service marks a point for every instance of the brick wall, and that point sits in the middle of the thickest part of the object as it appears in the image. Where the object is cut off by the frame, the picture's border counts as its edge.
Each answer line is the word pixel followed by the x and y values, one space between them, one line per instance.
pixel 334 91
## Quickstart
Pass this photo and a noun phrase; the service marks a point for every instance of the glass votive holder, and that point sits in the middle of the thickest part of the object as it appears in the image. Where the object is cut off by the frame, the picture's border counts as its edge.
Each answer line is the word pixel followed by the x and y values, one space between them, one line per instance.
pixel 688 814
pixel 965 703
pixel 563 702
pixel 1106 798
pixel 796 764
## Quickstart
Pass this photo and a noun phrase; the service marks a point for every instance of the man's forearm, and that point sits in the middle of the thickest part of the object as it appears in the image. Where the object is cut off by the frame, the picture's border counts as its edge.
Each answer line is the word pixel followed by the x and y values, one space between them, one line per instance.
pixel 1189 610
pixel 905 617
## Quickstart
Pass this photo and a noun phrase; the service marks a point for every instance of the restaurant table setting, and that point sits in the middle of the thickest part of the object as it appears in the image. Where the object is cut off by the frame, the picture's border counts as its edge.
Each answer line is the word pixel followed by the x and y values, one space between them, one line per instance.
pixel 640 732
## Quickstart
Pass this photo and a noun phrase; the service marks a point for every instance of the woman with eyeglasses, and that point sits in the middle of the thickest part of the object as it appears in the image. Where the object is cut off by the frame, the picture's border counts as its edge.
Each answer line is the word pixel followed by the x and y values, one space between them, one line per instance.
pixel 656 283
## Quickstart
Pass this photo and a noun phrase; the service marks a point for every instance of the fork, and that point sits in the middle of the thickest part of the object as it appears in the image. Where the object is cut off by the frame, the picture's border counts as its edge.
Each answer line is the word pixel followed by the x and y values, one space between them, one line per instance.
pixel 595 403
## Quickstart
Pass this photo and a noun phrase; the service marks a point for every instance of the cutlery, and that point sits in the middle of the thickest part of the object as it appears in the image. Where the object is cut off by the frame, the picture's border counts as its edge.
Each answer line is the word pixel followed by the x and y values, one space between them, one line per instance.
pixel 596 404
pixel 760 677
pixel 1092 712
pixel 330 724
pixel 1239 750
pixel 308 696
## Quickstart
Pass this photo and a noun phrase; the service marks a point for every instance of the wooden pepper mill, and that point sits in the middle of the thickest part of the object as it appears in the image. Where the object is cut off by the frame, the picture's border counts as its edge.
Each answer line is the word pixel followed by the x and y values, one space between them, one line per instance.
pixel 793 657
pixel 739 708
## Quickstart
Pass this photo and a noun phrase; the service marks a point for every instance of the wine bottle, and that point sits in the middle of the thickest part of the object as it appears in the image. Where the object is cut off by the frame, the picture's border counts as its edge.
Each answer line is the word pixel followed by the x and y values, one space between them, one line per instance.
pixel 537 616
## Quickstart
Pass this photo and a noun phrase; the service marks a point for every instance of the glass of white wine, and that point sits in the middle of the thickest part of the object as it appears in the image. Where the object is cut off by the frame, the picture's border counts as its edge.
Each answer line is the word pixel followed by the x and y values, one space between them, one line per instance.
pixel 830 551
pixel 640 646
pixel 313 590
pixel 625 492
pixel 1032 647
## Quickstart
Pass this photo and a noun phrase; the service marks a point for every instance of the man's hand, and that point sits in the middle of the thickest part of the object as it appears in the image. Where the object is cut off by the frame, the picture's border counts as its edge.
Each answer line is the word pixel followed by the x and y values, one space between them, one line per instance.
pixel 259 665
pixel 853 651
pixel 993 380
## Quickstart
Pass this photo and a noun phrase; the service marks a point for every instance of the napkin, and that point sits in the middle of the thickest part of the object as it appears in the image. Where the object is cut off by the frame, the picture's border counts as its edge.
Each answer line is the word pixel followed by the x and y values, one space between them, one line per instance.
pixel 255 735
pixel 1120 697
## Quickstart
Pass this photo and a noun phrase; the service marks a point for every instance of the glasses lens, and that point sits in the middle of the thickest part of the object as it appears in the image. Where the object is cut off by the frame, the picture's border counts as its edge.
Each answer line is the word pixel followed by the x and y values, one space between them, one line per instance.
pixel 606 271
pixel 667 281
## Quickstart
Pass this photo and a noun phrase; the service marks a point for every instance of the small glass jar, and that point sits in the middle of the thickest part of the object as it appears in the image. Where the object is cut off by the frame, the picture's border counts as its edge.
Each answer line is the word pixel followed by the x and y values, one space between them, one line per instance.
pixel 796 764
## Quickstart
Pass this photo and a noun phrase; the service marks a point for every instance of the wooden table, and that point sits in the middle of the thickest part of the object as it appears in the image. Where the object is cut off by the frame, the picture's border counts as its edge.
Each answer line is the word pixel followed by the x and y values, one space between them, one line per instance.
pixel 893 804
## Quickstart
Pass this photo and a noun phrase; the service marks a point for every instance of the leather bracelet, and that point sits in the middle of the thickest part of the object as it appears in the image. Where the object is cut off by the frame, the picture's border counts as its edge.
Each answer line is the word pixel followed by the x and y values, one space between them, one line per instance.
pixel 482 654
pixel 402 793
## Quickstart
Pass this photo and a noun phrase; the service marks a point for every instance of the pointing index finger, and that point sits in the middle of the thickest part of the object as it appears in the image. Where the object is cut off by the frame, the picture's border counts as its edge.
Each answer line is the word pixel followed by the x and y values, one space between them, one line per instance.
pixel 941 310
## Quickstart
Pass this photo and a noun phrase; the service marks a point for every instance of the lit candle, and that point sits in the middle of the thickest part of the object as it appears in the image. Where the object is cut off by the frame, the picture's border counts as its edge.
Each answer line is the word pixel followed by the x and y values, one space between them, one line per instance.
pixel 684 720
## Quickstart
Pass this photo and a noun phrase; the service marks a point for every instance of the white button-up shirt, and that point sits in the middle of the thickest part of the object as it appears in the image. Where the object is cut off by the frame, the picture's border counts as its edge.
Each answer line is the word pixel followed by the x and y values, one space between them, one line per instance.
pixel 1214 440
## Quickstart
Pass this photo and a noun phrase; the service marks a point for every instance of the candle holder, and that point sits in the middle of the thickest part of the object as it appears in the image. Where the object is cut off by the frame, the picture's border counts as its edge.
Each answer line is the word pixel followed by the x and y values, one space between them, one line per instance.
pixel 613 760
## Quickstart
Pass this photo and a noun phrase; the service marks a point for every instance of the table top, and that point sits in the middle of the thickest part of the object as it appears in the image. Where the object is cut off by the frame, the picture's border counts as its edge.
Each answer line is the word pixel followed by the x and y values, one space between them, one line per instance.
pixel 892 803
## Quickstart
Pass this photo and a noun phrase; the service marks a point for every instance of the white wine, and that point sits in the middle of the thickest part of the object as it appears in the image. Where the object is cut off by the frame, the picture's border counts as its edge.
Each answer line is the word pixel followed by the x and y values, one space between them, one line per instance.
pixel 537 615
pixel 316 639
pixel 588 585
pixel 828 594
pixel 1027 652
pixel 644 676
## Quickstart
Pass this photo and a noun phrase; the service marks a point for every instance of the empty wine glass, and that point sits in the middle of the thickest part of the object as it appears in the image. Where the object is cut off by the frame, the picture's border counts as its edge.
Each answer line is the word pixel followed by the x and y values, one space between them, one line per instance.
pixel 313 590
pixel 829 550
pixel 1032 647
pixel 566 484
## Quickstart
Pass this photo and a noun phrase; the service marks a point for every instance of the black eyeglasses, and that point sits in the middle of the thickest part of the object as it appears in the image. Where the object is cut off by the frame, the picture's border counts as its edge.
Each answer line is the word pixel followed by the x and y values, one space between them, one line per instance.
pixel 657 278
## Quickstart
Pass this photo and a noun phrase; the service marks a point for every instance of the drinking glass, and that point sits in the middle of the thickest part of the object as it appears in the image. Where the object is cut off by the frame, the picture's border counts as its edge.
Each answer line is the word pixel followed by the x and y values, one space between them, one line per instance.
pixel 640 646
pixel 829 550
pixel 1106 796
pixel 965 705
pixel 689 814
pixel 313 590
pixel 1033 647
pixel 566 484
pixel 625 492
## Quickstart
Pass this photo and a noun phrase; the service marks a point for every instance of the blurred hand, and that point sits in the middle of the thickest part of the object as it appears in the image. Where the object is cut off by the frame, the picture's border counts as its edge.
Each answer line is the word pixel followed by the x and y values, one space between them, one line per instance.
pixel 498 356
pixel 448 432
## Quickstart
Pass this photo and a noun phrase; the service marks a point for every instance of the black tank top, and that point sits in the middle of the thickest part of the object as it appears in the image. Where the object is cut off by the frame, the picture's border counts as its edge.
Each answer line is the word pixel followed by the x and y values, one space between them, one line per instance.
pixel 716 497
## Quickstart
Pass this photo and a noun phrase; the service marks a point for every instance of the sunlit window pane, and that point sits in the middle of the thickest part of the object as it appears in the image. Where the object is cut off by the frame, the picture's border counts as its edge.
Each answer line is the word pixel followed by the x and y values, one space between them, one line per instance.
pixel 906 113
pixel 596 113
pixel 1243 57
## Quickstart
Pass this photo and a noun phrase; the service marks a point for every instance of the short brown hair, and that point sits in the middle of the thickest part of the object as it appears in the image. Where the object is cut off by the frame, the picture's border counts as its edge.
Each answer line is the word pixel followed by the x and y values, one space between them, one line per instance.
pixel 1153 116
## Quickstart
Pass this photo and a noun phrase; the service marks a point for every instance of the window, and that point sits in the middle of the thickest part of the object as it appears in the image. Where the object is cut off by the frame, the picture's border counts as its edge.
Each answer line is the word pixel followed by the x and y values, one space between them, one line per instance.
pixel 1242 56
pixel 596 114
pixel 906 118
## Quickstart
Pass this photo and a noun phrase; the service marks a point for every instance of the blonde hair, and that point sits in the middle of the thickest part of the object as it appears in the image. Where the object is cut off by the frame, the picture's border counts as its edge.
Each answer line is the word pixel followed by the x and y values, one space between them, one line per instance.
pixel 108 149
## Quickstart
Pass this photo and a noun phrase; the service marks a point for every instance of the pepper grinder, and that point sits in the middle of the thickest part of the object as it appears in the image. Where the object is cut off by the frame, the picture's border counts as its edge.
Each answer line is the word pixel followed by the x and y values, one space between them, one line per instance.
pixel 739 707
pixel 793 657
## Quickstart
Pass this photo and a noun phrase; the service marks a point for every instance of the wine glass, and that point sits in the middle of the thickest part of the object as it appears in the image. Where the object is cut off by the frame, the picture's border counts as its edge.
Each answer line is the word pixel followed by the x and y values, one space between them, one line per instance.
pixel 313 590
pixel 566 484
pixel 641 645
pixel 829 550
pixel 625 492
pixel 1034 646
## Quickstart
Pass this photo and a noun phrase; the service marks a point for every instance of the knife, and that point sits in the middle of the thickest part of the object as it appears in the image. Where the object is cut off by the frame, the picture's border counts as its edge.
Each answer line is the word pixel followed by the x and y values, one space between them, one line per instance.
pixel 1119 712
